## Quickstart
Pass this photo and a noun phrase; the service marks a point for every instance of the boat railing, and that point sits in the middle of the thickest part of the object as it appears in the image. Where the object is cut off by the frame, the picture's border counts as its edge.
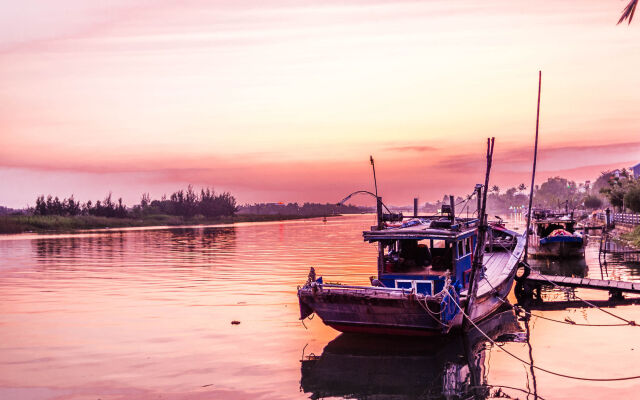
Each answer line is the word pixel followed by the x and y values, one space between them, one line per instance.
pixel 369 289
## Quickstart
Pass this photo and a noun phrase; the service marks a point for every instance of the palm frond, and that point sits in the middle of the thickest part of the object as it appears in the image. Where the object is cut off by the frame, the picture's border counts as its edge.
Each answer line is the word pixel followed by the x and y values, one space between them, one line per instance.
pixel 628 11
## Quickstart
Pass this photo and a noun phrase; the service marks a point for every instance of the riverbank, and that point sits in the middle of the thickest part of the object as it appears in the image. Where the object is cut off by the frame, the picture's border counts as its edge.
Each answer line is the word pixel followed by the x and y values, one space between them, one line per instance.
pixel 55 223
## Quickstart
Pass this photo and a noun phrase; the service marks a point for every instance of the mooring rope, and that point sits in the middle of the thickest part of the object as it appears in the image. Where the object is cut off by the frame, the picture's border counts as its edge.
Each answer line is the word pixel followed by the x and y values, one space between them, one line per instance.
pixel 628 322
pixel 520 308
pixel 626 378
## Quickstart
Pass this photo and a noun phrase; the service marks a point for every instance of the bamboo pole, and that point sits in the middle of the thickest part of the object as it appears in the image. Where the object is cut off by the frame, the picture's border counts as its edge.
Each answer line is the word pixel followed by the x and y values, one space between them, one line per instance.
pixel 476 268
pixel 533 173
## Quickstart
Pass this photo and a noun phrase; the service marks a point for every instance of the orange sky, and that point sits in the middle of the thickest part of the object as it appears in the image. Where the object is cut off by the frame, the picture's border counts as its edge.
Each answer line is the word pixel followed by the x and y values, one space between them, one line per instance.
pixel 285 100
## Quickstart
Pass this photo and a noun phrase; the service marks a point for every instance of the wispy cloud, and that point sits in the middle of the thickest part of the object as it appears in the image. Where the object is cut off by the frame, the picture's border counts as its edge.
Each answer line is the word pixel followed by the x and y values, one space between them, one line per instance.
pixel 414 148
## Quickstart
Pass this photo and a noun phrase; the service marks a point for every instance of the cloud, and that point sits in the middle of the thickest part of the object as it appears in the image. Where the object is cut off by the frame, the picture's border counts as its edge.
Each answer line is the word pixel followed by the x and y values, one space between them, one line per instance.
pixel 416 148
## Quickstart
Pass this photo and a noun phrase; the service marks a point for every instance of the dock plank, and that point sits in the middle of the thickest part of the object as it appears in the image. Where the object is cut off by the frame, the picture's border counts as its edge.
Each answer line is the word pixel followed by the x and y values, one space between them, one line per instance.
pixel 597 284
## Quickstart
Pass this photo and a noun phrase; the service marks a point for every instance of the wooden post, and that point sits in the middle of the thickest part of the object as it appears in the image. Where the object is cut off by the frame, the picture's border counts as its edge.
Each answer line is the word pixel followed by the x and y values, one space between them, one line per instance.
pixel 379 212
pixel 476 269
pixel 453 210
pixel 479 206
pixel 415 206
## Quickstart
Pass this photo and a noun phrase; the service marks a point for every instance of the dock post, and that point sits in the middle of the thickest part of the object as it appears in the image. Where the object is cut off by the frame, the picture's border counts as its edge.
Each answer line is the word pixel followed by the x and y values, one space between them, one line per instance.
pixel 415 206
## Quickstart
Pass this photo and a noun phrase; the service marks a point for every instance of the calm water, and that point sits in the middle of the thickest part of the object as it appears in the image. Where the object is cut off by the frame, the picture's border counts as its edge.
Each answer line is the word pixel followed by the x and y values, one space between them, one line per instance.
pixel 146 314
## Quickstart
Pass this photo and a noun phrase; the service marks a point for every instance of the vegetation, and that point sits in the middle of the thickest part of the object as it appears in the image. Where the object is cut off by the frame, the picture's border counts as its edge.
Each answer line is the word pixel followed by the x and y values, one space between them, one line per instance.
pixel 592 202
pixel 180 208
pixel 621 190
pixel 629 10
pixel 632 237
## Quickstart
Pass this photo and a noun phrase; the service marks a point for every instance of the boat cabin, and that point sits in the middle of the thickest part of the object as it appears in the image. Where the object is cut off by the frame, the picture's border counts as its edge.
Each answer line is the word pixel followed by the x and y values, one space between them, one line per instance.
pixel 547 222
pixel 420 253
pixel 544 228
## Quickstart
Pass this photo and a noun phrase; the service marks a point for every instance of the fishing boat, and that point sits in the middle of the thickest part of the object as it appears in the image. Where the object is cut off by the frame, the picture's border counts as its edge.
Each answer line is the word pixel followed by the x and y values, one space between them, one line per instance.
pixel 554 235
pixel 431 272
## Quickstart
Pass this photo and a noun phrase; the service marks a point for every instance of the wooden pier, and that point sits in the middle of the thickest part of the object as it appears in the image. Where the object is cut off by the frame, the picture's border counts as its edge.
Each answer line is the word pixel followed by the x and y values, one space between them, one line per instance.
pixel 615 288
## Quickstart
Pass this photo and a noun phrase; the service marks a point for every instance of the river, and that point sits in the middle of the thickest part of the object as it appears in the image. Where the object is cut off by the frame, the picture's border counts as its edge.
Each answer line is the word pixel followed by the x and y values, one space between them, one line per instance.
pixel 211 313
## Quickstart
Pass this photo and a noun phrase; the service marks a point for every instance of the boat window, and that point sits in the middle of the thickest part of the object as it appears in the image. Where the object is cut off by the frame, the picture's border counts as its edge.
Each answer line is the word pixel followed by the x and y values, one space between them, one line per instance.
pixel 442 253
pixel 460 249
pixel 467 242
pixel 407 255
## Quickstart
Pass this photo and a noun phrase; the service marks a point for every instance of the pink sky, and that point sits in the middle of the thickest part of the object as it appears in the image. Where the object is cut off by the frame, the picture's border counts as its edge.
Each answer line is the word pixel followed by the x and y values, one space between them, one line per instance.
pixel 285 100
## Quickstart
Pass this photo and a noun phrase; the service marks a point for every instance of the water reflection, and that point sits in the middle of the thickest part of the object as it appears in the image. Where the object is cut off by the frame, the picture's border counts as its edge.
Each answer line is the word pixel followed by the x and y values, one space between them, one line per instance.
pixel 362 367
pixel 576 267
pixel 144 314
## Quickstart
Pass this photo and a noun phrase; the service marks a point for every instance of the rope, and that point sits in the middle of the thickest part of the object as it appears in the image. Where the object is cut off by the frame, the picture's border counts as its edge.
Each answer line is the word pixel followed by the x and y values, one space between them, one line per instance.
pixel 535 366
pixel 628 322
pixel 518 309
pixel 434 315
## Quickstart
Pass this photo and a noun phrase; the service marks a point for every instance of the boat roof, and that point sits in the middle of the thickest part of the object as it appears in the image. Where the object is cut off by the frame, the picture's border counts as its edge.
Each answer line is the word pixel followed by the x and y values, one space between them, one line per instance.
pixel 428 227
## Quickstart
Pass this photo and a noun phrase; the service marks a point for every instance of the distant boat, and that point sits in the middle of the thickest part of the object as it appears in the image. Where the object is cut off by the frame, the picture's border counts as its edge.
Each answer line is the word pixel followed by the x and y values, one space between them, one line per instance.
pixel 554 235
pixel 424 270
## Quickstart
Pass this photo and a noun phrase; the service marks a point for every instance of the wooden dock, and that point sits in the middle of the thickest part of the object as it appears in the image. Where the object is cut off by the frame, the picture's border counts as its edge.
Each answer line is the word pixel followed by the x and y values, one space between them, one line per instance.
pixel 616 288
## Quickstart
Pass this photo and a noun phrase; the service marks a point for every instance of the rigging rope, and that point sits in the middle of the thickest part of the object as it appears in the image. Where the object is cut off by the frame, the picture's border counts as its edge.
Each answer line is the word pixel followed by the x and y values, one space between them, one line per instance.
pixel 627 322
pixel 626 378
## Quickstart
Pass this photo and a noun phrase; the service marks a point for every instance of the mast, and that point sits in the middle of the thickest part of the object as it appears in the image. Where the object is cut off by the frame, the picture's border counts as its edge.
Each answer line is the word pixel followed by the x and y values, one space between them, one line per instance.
pixel 533 173
pixel 476 268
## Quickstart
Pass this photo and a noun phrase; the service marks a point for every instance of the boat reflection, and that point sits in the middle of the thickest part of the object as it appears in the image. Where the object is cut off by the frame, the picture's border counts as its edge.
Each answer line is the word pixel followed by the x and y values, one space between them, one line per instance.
pixel 576 267
pixel 365 367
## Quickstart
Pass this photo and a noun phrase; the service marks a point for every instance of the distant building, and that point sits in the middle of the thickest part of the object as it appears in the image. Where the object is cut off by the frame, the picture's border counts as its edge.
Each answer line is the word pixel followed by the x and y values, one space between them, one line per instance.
pixel 636 170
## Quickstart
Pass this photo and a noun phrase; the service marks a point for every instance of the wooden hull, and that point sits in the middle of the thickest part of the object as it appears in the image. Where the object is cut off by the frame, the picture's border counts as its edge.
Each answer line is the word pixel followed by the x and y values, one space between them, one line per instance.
pixel 373 312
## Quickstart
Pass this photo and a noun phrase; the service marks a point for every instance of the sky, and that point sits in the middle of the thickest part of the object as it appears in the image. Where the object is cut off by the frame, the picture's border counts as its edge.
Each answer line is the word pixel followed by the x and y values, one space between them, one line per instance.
pixel 285 100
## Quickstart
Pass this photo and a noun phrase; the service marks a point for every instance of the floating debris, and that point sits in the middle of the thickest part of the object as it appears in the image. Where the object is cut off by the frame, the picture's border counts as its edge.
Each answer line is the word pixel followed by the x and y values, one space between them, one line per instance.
pixel 234 322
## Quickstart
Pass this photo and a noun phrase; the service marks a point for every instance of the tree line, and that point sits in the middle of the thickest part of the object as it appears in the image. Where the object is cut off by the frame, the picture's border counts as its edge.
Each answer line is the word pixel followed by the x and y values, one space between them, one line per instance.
pixel 306 209
pixel 621 190
pixel 186 203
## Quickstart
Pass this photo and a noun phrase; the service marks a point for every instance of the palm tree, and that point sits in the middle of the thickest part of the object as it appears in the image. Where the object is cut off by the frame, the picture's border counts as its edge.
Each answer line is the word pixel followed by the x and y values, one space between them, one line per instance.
pixel 628 11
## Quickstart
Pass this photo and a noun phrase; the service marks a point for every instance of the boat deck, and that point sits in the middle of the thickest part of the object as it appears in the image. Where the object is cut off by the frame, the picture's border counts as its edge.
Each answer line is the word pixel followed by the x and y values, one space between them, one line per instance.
pixel 498 268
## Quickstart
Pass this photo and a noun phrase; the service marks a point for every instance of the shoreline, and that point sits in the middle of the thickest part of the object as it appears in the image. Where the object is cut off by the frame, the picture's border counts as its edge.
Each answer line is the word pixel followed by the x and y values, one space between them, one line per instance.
pixel 16 224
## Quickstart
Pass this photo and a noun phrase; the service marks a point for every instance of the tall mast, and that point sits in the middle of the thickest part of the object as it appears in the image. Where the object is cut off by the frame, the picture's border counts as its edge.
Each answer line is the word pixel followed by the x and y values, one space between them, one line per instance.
pixel 476 269
pixel 533 173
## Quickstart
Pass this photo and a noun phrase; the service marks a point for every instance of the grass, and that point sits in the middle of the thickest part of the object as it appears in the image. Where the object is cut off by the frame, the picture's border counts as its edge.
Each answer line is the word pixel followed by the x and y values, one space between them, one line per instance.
pixel 55 223
pixel 632 237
